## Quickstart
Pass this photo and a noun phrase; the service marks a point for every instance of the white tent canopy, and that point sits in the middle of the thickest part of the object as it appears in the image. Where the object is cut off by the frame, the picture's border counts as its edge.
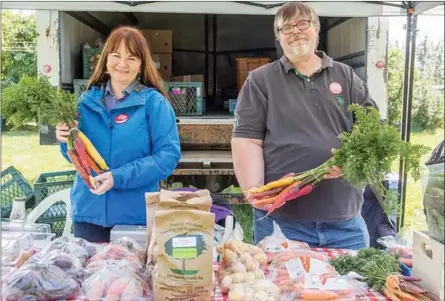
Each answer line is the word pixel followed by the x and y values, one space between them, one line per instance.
pixel 323 8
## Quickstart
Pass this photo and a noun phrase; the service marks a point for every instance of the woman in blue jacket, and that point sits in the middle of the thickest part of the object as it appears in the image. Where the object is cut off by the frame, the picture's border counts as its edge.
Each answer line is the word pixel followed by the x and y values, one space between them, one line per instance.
pixel 126 115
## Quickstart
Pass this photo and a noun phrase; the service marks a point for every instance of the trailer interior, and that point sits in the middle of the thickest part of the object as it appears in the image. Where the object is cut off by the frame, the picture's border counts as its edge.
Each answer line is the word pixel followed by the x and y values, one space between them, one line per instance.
pixel 206 45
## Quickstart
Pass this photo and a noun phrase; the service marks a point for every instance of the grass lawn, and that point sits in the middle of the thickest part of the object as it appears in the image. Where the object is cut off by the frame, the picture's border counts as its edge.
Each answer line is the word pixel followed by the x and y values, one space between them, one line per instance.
pixel 414 215
pixel 22 150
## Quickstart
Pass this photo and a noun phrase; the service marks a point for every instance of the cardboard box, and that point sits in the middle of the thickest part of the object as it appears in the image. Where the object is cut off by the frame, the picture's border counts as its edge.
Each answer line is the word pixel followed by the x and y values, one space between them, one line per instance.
pixel 163 62
pixel 159 41
pixel 195 78
pixel 428 263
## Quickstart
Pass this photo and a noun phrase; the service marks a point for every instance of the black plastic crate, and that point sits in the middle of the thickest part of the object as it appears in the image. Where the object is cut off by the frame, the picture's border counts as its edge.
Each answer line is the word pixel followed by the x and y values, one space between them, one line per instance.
pixel 185 98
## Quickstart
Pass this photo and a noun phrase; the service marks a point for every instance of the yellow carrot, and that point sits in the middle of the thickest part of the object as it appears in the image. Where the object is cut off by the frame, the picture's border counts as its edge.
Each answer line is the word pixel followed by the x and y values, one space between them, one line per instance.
pixel 91 150
pixel 275 184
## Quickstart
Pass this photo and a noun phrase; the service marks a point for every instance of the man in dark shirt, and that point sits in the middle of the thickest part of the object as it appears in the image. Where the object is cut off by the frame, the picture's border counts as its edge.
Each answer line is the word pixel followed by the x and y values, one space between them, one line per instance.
pixel 288 117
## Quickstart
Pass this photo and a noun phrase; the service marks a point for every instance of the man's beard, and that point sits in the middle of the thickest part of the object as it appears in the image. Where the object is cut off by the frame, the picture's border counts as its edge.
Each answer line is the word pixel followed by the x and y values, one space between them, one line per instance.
pixel 300 51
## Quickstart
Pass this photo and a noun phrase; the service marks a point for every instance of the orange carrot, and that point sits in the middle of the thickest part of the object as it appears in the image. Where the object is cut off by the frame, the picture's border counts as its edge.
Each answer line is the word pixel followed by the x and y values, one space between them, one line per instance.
pixel 266 201
pixel 289 193
pixel 79 146
pixel 316 294
pixel 79 168
pixel 93 165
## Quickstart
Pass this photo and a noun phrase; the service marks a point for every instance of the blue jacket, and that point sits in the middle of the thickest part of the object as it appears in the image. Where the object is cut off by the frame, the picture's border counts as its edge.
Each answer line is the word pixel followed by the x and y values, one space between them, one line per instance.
pixel 139 152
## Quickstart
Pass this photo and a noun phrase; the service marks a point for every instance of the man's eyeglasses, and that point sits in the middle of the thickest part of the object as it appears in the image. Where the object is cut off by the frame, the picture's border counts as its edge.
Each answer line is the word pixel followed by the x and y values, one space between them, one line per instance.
pixel 302 25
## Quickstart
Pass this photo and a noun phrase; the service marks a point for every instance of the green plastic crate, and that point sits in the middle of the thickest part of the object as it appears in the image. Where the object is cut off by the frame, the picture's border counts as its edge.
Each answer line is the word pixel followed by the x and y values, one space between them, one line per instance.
pixel 13 185
pixel 55 216
pixel 79 85
pixel 49 183
pixel 185 98
pixel 90 58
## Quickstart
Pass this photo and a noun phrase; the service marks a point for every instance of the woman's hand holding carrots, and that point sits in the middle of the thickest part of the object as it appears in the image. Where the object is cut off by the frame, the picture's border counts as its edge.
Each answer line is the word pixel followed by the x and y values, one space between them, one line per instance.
pixel 104 182
pixel 63 131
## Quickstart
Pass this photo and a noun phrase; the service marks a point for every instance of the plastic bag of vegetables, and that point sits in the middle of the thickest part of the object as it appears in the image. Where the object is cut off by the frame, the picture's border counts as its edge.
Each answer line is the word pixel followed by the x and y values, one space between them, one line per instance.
pixel 99 265
pixel 277 242
pixel 69 263
pixel 116 281
pixel 69 247
pixel 38 281
pixel 91 248
pixel 307 275
pixel 433 185
pixel 117 252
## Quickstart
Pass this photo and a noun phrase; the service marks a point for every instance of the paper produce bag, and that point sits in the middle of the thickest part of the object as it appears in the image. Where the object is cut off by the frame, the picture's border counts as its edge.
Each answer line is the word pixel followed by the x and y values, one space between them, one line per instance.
pixel 183 244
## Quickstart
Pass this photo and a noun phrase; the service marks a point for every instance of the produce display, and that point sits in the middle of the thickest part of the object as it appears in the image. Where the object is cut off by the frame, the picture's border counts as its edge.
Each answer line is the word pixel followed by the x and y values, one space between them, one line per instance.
pixel 365 155
pixel 245 272
pixel 178 264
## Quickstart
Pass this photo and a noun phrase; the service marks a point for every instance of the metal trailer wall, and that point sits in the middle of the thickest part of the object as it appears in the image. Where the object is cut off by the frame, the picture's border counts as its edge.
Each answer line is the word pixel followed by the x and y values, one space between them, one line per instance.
pixel 72 35
pixel 362 43
pixel 347 44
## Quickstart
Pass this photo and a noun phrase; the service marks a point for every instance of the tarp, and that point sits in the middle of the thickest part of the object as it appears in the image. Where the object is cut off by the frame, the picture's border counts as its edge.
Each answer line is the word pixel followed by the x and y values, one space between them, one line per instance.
pixel 323 8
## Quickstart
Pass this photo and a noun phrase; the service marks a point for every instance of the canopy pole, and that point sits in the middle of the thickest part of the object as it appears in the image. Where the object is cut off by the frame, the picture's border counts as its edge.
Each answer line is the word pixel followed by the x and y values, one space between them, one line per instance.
pixel 405 130
pixel 206 57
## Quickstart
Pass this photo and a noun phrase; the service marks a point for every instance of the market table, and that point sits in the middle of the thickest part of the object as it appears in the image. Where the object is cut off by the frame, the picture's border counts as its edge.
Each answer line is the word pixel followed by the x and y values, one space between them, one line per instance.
pixel 362 295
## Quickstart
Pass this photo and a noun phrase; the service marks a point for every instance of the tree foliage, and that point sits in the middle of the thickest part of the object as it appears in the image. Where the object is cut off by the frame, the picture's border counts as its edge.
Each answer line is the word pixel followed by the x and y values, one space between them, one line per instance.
pixel 18 47
pixel 428 99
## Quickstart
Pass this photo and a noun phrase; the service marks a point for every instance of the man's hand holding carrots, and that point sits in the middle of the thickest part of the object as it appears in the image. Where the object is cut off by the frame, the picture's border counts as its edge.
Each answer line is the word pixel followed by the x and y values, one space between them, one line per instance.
pixel 334 172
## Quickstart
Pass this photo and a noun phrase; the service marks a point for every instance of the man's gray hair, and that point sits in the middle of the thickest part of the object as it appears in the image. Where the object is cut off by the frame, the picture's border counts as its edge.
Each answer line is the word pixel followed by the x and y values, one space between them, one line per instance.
pixel 294 9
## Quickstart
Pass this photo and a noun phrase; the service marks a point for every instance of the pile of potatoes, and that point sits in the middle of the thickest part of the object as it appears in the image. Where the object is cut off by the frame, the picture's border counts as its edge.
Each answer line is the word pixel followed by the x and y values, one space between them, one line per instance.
pixel 259 290
pixel 240 274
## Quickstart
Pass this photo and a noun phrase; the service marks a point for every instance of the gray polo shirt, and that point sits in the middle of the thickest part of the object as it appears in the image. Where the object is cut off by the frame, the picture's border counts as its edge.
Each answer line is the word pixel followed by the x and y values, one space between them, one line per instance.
pixel 299 120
